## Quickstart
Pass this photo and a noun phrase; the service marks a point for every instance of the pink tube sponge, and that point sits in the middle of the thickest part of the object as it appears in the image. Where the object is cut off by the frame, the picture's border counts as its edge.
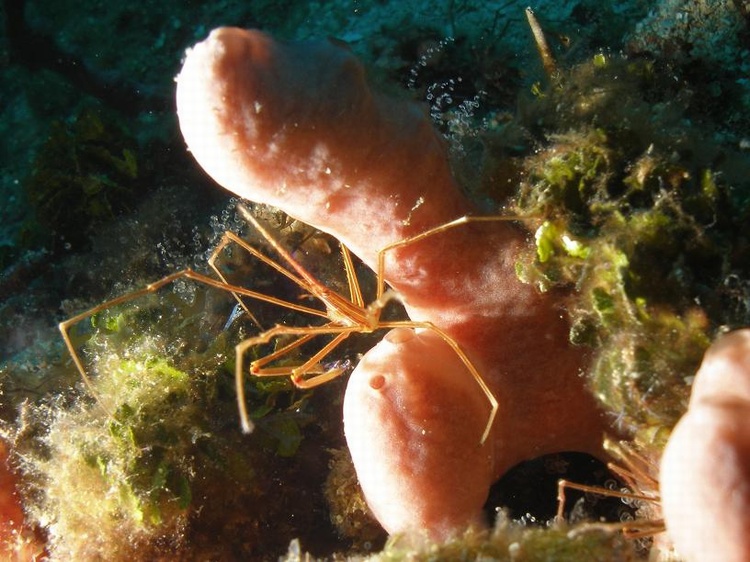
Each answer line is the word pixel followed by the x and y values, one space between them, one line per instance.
pixel 296 126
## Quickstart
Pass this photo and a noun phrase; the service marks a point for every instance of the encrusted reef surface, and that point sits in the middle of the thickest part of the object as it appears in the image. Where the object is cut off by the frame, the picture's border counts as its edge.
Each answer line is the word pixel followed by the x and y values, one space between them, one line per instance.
pixel 628 162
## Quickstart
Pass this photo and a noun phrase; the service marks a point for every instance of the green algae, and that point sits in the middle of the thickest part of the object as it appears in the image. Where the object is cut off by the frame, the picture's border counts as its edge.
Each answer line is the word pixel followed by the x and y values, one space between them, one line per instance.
pixel 636 210
pixel 508 541
pixel 86 173
pixel 122 469
pixel 148 459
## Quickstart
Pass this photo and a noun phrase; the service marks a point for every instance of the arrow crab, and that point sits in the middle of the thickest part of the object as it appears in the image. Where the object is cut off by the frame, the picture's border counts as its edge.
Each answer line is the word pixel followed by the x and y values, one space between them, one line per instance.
pixel 343 315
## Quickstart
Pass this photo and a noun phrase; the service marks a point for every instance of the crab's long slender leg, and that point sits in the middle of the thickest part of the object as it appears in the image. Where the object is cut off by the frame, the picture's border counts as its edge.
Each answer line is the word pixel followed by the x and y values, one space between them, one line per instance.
pixel 295 372
pixel 223 243
pixel 329 374
pixel 466 219
pixel 65 325
pixel 230 237
pixel 630 529
pixel 307 281
pixel 355 291
pixel 636 471
pixel 310 366
pixel 258 366
pixel 563 485
pixel 641 485
pixel 453 344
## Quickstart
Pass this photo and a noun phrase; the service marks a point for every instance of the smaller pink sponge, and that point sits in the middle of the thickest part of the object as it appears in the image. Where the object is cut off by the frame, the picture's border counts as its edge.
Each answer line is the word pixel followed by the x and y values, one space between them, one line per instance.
pixel 705 469
pixel 16 543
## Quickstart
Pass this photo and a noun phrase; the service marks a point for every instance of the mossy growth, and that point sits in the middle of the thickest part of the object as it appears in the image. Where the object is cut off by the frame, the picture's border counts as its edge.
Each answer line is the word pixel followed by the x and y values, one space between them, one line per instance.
pixel 508 541
pixel 150 460
pixel 645 216
pixel 112 482
pixel 86 173
pixel 349 511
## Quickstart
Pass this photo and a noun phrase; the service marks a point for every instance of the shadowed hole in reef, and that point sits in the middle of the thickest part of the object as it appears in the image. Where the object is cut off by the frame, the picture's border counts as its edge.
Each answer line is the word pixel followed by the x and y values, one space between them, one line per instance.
pixel 528 492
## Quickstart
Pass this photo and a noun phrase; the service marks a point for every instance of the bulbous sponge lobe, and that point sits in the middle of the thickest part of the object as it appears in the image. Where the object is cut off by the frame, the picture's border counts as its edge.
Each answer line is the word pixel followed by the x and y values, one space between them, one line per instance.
pixel 406 423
